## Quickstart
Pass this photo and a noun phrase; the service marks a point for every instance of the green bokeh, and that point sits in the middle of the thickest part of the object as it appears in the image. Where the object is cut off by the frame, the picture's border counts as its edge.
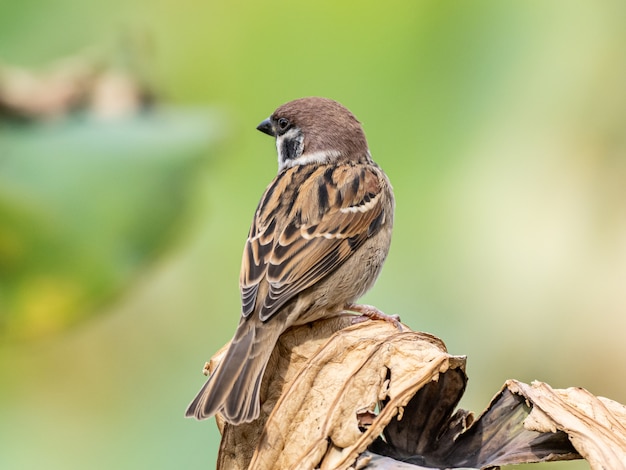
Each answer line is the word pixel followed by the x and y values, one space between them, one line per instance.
pixel 500 125
pixel 86 205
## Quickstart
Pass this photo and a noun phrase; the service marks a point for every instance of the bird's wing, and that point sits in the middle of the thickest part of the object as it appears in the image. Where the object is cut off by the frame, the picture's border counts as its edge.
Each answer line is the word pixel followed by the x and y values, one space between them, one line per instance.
pixel 309 222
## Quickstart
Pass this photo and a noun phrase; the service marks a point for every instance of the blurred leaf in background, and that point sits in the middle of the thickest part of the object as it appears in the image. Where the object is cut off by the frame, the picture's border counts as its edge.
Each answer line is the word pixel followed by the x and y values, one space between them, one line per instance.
pixel 87 199
pixel 500 125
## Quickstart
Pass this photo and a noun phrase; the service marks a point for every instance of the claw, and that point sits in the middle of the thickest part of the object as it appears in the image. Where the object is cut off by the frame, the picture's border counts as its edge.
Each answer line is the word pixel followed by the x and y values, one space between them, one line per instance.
pixel 369 312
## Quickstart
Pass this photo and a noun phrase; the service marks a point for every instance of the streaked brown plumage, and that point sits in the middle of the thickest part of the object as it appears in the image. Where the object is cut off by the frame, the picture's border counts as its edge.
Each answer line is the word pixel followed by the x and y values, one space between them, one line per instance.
pixel 318 240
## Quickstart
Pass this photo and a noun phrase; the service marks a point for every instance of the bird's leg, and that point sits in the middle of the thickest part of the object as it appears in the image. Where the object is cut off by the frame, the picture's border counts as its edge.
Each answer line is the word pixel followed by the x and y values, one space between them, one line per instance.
pixel 369 312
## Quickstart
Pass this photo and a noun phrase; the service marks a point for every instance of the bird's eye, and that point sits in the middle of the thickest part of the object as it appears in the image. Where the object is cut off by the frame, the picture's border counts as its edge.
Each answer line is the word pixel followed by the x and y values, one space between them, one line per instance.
pixel 283 124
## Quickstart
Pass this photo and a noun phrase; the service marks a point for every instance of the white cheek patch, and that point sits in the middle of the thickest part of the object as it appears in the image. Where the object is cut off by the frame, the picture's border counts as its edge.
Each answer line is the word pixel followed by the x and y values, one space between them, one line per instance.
pixel 279 145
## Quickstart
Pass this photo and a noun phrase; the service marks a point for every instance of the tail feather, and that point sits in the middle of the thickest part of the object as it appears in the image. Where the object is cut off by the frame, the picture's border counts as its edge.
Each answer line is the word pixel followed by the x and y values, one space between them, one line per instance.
pixel 233 388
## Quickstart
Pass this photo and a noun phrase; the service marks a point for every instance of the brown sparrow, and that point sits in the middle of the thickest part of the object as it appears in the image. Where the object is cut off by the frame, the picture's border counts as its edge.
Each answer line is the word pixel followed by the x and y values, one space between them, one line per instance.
pixel 318 240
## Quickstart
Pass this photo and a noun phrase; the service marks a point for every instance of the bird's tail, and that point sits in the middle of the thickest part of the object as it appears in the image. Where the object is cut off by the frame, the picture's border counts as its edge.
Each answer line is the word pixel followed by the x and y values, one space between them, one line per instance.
pixel 233 388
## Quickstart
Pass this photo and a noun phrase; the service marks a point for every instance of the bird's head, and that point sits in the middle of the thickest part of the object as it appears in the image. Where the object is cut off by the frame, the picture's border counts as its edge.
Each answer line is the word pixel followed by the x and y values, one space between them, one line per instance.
pixel 315 131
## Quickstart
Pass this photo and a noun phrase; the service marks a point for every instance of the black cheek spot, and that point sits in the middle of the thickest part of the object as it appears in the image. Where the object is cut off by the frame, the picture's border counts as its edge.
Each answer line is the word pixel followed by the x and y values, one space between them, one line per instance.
pixel 289 149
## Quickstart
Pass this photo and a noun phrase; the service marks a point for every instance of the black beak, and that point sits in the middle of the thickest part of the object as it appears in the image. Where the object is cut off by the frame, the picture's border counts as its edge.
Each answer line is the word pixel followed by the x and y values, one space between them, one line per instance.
pixel 266 127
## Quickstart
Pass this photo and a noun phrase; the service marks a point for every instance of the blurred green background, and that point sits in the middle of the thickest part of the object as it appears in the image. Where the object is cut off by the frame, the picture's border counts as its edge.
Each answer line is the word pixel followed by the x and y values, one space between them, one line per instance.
pixel 500 124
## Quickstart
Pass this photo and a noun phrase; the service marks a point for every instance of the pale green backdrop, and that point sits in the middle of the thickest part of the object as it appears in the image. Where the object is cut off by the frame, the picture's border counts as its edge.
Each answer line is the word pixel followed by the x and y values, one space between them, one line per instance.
pixel 500 124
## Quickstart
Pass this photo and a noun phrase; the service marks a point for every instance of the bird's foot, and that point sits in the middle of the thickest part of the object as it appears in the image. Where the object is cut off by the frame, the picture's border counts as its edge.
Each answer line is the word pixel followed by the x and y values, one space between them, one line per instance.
pixel 369 312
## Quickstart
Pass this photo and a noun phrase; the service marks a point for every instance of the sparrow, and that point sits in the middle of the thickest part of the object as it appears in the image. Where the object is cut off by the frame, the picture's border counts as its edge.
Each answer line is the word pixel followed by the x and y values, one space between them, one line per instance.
pixel 318 240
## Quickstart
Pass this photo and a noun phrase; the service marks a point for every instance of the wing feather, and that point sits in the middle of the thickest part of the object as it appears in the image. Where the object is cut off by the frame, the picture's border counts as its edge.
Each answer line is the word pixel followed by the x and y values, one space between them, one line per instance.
pixel 308 223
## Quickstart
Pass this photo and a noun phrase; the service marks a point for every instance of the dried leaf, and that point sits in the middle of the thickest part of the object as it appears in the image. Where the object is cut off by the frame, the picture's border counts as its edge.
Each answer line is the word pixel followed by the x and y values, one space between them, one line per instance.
pixel 315 420
pixel 368 396
pixel 596 426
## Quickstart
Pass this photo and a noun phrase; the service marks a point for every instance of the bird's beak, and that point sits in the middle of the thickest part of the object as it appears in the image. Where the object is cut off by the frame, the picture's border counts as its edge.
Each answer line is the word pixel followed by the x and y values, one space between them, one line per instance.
pixel 266 127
